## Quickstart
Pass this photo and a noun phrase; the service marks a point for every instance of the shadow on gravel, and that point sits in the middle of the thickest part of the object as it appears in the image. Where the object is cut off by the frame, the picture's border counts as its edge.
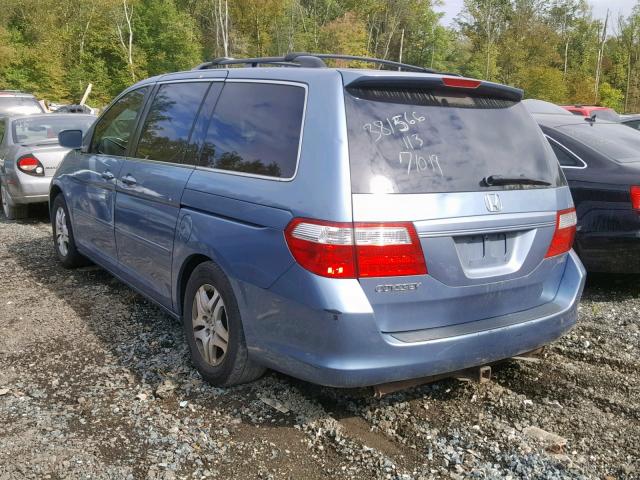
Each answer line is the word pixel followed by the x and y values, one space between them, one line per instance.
pixel 150 344
pixel 36 213
pixel 604 284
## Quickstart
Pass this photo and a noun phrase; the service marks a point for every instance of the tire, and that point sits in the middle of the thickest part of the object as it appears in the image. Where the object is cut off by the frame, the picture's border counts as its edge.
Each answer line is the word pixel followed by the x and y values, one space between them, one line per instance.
pixel 208 322
pixel 11 210
pixel 64 242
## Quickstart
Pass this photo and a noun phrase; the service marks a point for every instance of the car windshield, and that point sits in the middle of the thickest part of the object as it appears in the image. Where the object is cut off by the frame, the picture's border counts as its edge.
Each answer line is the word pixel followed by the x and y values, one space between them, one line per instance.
pixel 614 140
pixel 423 141
pixel 45 128
pixel 19 105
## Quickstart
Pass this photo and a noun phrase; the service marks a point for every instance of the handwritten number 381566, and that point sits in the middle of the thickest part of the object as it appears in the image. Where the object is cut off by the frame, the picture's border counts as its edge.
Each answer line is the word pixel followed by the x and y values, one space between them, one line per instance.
pixel 398 123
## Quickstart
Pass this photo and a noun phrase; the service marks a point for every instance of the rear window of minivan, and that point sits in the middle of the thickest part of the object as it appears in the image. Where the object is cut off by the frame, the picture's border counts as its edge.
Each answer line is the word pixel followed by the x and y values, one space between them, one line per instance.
pixel 423 141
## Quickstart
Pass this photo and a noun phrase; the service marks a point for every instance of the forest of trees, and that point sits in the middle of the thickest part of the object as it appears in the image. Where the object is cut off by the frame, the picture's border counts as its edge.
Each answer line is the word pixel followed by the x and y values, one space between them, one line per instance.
pixel 554 49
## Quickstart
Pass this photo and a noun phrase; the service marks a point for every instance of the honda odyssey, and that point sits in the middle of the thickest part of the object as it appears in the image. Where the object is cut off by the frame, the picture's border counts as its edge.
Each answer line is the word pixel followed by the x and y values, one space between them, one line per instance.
pixel 348 227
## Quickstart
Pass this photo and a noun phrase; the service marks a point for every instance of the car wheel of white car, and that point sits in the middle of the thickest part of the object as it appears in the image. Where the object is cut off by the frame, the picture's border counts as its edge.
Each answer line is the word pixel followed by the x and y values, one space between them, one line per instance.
pixel 11 211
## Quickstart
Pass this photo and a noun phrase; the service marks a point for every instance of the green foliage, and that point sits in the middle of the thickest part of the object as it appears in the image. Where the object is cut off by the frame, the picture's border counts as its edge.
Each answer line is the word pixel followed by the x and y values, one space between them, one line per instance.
pixel 611 97
pixel 544 83
pixel 550 48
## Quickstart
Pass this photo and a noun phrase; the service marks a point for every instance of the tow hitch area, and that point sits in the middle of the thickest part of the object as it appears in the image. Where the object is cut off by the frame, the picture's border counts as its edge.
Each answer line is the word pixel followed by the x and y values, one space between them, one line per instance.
pixel 476 374
pixel 534 356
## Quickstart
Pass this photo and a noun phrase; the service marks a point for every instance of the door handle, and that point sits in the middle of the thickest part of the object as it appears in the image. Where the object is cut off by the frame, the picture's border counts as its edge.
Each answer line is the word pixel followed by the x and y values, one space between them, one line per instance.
pixel 107 175
pixel 128 180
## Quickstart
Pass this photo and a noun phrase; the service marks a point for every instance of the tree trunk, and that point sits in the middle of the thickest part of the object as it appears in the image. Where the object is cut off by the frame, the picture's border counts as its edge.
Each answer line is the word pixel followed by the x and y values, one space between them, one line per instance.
pixel 127 44
pixel 600 55
pixel 626 93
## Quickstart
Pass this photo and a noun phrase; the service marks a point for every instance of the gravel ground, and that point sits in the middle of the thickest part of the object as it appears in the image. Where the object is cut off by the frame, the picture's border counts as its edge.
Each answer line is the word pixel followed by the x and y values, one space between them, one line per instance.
pixel 95 382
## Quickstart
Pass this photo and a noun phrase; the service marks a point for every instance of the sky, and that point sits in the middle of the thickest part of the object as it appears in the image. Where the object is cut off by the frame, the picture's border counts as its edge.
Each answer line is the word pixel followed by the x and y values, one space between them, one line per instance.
pixel 451 8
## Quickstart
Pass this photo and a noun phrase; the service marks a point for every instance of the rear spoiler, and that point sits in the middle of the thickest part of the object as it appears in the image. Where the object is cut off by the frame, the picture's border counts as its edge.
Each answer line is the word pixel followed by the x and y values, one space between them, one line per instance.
pixel 477 87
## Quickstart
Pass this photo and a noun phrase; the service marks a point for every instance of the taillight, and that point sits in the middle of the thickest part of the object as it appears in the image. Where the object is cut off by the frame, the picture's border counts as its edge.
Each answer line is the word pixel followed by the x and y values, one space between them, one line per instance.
pixel 31 165
pixel 635 198
pixel 562 241
pixel 347 250
pixel 323 248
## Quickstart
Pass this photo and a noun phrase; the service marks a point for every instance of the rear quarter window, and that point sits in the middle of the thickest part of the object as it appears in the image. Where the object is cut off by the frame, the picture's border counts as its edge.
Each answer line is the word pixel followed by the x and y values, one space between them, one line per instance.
pixel 424 141
pixel 256 129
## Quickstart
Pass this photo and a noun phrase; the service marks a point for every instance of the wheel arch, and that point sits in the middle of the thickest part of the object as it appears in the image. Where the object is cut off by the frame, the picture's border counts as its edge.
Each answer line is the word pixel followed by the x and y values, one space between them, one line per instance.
pixel 54 191
pixel 188 266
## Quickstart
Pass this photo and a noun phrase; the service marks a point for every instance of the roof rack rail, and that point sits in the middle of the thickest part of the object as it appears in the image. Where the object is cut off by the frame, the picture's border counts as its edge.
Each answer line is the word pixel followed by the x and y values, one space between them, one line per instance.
pixel 309 60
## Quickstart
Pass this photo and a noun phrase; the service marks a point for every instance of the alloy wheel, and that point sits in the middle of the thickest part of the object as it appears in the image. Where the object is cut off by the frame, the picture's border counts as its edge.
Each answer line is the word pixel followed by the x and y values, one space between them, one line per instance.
pixel 62 232
pixel 210 324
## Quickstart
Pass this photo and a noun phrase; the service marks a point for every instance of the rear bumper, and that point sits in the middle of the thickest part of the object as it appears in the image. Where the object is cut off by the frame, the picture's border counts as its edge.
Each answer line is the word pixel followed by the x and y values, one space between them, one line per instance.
pixel 26 188
pixel 340 349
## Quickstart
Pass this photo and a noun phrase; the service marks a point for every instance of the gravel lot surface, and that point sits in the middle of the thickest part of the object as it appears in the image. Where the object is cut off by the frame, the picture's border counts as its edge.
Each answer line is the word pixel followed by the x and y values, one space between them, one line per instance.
pixel 95 382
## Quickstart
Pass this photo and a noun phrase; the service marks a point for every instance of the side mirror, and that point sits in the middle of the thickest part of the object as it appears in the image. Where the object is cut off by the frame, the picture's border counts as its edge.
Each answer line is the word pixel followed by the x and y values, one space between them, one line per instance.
pixel 70 139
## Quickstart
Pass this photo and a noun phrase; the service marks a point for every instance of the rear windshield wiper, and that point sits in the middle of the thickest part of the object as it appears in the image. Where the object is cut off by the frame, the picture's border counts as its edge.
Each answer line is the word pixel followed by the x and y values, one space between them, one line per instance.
pixel 498 180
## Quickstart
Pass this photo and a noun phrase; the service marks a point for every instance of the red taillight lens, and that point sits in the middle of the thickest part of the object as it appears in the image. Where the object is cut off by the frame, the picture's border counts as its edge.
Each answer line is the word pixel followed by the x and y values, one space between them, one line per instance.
pixel 635 198
pixel 460 82
pixel 30 164
pixel 388 250
pixel 346 250
pixel 323 248
pixel 562 240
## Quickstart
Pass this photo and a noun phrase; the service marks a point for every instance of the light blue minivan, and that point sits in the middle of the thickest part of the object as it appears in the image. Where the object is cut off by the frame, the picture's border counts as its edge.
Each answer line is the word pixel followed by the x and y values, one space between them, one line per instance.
pixel 348 227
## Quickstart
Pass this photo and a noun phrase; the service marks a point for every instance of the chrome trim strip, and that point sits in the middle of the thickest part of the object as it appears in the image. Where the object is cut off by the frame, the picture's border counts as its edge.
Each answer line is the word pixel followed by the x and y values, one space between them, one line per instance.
pixel 304 116
pixel 479 230
pixel 474 224
pixel 584 164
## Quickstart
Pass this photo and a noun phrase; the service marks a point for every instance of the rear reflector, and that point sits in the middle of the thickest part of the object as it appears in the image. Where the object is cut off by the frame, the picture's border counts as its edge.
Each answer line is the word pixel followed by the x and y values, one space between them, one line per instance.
pixel 346 250
pixel 635 198
pixel 562 241
pixel 30 164
pixel 461 82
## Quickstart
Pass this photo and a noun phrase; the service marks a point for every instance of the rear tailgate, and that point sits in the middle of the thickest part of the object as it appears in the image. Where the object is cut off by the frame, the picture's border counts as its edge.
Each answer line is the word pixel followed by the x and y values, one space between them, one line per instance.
pixel 419 151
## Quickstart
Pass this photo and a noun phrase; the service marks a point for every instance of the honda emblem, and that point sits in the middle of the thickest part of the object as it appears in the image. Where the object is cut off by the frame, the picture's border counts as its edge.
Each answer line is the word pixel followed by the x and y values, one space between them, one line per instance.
pixel 492 202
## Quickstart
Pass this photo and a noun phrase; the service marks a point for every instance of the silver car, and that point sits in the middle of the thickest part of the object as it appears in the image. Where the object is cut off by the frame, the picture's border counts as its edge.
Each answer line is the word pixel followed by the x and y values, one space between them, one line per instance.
pixel 13 102
pixel 29 156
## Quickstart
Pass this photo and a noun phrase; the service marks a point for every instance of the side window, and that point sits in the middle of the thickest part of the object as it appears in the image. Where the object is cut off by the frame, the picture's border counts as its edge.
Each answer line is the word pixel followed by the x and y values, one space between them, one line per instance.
pixel 255 129
pixel 196 142
pixel 577 112
pixel 2 128
pixel 113 131
pixel 168 123
pixel 565 158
